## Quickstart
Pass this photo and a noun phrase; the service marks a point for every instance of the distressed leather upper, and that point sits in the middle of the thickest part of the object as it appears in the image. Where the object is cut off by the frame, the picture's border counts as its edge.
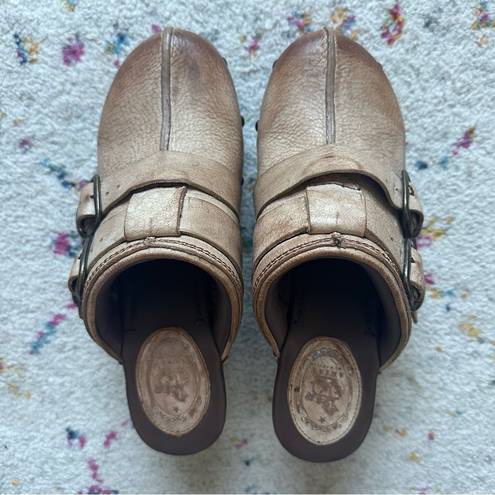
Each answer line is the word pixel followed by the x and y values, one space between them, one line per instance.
pixel 174 93
pixel 326 88
pixel 331 178
pixel 168 180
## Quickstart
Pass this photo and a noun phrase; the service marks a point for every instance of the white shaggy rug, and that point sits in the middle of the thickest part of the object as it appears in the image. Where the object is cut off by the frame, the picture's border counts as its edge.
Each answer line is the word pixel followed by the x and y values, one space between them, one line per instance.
pixel 64 422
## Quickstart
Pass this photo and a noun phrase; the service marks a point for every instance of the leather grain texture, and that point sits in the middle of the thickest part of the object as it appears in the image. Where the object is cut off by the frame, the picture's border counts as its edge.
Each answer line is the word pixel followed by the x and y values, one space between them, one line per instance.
pixel 169 168
pixel 331 168
pixel 289 121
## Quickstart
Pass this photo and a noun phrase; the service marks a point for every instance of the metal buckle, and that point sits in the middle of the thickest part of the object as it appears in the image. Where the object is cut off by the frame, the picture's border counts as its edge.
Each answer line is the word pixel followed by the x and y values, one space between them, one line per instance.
pixel 409 223
pixel 87 237
pixel 411 292
pixel 409 227
pixel 406 218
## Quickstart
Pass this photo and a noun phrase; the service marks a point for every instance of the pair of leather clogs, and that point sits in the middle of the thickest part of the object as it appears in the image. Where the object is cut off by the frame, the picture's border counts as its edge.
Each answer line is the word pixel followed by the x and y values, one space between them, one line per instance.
pixel 336 276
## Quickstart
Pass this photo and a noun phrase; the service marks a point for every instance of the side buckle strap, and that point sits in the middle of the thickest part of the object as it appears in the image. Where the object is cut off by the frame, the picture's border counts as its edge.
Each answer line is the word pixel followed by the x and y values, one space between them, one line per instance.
pixel 410 228
pixel 411 223
pixel 87 231
pixel 413 295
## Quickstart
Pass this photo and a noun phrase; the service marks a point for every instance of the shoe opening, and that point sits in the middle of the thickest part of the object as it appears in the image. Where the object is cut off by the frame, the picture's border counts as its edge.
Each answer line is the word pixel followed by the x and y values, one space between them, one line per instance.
pixel 153 286
pixel 352 280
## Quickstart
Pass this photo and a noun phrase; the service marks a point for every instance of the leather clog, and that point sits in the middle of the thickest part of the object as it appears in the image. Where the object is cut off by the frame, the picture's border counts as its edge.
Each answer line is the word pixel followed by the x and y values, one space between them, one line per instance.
pixel 336 275
pixel 158 282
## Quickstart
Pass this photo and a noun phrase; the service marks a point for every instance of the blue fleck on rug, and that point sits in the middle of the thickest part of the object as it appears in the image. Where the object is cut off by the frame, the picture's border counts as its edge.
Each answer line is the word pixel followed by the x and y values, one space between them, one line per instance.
pixel 64 421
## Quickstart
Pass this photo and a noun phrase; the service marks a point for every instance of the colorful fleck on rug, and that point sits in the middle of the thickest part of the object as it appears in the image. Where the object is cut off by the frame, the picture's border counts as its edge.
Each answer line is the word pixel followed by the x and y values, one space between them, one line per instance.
pixel 64 422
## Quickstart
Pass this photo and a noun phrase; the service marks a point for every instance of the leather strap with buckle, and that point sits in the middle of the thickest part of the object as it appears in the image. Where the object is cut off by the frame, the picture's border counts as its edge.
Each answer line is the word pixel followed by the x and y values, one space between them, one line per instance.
pixel 87 231
pixel 411 228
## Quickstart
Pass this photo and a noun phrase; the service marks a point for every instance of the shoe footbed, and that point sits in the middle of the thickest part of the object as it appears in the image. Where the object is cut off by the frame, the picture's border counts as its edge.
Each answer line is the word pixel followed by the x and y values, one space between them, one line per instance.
pixel 325 386
pixel 174 376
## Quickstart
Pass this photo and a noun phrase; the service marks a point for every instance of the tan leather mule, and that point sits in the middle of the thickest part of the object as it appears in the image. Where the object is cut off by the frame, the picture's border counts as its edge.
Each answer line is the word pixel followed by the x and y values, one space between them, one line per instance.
pixel 158 282
pixel 337 278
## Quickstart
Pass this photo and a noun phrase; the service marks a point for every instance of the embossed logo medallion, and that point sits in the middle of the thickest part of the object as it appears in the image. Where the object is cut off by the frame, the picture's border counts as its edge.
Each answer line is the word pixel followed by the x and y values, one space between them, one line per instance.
pixel 173 382
pixel 324 391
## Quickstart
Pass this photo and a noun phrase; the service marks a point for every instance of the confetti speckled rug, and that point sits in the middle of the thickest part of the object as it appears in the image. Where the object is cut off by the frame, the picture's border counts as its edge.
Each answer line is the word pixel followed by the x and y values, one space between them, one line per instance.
pixel 64 422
